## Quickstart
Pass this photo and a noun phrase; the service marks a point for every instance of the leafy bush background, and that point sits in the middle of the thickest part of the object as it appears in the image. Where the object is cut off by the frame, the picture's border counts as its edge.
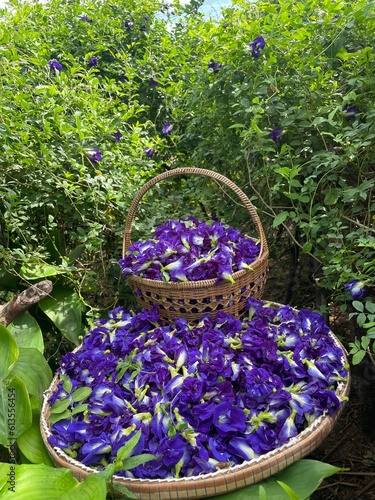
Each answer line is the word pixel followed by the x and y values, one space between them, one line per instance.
pixel 62 214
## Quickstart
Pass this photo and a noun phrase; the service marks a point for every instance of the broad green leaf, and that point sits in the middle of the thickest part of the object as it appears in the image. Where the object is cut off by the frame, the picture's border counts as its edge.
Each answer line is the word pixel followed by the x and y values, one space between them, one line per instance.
pixel 55 417
pixel 131 462
pixel 126 450
pixel 32 367
pixel 67 383
pixel 307 247
pixel 79 409
pixel 26 331
pixel 92 488
pixel 361 318
pixel 81 393
pixel 61 405
pixel 125 492
pixel 8 352
pixel 15 410
pixel 280 218
pixel 303 477
pixel 65 309
pixel 32 445
pixel 37 269
pixel 331 197
pixel 291 493
pixel 108 472
pixel 262 493
pixel 358 305
pixel 365 342
pixel 319 120
pixel 358 357
pixel 40 482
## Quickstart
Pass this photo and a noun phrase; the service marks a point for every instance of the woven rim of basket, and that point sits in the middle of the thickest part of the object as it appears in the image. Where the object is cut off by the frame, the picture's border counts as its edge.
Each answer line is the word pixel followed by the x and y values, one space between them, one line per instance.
pixel 193 171
pixel 223 480
pixel 260 263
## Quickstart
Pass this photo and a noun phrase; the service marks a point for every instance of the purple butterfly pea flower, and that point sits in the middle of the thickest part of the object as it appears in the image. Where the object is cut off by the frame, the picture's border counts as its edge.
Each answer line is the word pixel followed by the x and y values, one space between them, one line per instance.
pixel 257 45
pixel 93 62
pixel 85 19
pixel 53 64
pixel 350 112
pixel 228 419
pixel 356 288
pixel 95 449
pixel 94 155
pixel 168 128
pixel 128 24
pixel 240 447
pixel 149 152
pixel 276 134
pixel 215 66
pixel 154 80
pixel 117 136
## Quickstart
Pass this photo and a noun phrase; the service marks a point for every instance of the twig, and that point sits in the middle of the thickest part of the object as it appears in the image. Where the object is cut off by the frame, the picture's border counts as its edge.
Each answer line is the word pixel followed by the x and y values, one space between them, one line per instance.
pixel 337 483
pixel 357 473
pixel 344 437
pixel 366 488
pixel 21 302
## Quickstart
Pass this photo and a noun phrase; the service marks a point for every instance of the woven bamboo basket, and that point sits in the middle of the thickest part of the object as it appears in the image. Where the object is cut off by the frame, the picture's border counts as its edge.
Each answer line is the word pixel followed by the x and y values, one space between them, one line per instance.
pixel 223 480
pixel 192 299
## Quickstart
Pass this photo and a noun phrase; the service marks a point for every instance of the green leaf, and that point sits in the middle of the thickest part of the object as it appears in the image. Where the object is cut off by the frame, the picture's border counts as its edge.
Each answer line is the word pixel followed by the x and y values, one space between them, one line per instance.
pixel 365 342
pixel 318 120
pixel 79 409
pixel 126 450
pixel 361 318
pixel 370 306
pixel 307 247
pixel 9 352
pixel 67 383
pixel 40 482
pixel 92 488
pixel 358 357
pixel 26 331
pixel 32 367
pixel 131 462
pixel 15 410
pixel 358 305
pixel 65 309
pixel 37 269
pixel 331 197
pixel 291 493
pixel 31 444
pixel 124 491
pixel 303 477
pixel 262 493
pixel 61 405
pixel 56 417
pixel 81 393
pixel 280 218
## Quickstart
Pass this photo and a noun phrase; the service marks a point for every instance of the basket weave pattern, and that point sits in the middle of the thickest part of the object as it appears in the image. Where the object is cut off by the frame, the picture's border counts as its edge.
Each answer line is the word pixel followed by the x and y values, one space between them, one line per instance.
pixel 192 299
pixel 223 480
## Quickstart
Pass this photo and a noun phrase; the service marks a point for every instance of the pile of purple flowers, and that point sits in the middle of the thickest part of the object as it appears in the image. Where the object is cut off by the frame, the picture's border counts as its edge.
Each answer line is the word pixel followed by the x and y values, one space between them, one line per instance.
pixel 204 397
pixel 191 250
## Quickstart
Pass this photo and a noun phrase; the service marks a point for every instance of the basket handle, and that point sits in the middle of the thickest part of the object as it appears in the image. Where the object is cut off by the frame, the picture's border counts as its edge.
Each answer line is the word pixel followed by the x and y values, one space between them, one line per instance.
pixel 192 171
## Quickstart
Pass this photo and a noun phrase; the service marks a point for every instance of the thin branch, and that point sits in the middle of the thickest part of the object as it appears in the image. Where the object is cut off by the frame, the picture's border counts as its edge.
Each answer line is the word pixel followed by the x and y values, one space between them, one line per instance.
pixel 21 302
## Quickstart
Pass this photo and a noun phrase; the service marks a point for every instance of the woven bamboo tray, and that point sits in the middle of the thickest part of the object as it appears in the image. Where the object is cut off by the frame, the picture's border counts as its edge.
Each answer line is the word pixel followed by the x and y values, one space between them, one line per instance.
pixel 192 299
pixel 221 481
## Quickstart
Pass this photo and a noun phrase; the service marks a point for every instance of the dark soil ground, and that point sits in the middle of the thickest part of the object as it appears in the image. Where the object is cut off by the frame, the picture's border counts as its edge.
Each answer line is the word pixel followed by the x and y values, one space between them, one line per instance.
pixel 351 443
